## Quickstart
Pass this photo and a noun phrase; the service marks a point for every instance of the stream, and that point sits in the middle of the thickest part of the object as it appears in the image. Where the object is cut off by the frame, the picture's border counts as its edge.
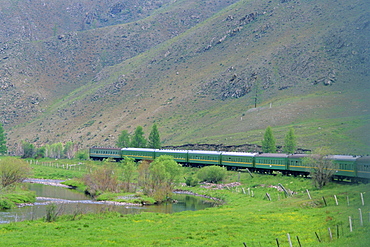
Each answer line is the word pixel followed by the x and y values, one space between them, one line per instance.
pixel 71 202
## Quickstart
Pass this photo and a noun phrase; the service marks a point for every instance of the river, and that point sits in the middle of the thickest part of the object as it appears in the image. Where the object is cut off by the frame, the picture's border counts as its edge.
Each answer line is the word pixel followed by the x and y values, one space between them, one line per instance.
pixel 72 202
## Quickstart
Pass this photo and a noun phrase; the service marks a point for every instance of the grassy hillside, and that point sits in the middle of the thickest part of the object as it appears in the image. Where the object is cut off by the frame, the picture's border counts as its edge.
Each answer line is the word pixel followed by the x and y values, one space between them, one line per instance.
pixel 197 70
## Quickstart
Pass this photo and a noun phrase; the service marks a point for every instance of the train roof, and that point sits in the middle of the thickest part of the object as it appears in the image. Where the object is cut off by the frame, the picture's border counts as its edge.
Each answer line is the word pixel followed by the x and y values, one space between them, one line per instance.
pixel 364 160
pixel 272 155
pixel 139 149
pixel 298 156
pixel 239 154
pixel 343 157
pixel 171 151
pixel 105 148
pixel 204 152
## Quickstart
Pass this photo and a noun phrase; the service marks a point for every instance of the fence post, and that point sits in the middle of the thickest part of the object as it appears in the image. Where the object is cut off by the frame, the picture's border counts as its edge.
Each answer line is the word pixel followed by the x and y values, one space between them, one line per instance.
pixel 308 193
pixel 330 234
pixel 277 242
pixel 299 242
pixel 362 199
pixel 350 223
pixel 361 221
pixel 268 196
pixel 289 240
pixel 324 201
pixel 336 200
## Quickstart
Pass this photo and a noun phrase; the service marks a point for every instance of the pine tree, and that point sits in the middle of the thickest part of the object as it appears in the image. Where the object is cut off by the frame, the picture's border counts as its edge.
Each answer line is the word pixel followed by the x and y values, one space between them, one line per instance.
pixel 290 143
pixel 154 139
pixel 138 140
pixel 3 148
pixel 268 142
pixel 123 139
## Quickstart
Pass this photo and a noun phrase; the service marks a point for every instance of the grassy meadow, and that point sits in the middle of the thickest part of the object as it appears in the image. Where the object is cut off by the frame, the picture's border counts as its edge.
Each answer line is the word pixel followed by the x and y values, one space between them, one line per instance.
pixel 247 216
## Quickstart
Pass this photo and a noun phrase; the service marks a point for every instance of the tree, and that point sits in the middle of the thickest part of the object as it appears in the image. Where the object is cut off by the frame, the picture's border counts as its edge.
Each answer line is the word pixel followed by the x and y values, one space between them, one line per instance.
pixel 138 140
pixel 12 171
pixel 268 142
pixel 129 167
pixel 69 150
pixel 154 139
pixel 28 150
pixel 3 148
pixel 82 155
pixel 164 172
pixel 321 167
pixel 290 143
pixel 123 139
pixel 100 180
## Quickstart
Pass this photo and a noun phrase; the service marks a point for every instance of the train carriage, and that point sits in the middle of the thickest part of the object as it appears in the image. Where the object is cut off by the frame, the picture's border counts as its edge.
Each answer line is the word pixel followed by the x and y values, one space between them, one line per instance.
pixel 138 153
pixel 271 162
pixel 180 156
pixel 344 165
pixel 98 153
pixel 236 160
pixel 296 164
pixel 363 167
pixel 204 157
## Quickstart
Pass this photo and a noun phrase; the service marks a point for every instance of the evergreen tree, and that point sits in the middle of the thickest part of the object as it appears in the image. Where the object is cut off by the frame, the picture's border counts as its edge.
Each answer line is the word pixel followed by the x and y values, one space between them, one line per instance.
pixel 290 143
pixel 123 139
pixel 138 140
pixel 268 142
pixel 3 148
pixel 154 139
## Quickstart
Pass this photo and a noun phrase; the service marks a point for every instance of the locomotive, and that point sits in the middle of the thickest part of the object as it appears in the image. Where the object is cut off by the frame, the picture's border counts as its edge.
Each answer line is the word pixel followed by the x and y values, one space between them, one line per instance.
pixel 354 168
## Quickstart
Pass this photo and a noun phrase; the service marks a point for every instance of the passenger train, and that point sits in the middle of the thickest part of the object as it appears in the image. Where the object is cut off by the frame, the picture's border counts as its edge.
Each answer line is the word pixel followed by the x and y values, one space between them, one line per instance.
pixel 354 168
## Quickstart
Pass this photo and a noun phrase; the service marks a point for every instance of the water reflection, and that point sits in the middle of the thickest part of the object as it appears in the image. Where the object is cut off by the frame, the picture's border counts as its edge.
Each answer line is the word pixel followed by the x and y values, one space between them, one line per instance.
pixel 72 202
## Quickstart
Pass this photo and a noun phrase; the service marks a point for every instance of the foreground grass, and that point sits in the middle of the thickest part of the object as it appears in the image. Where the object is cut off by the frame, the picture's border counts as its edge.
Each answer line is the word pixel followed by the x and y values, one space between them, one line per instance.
pixel 253 220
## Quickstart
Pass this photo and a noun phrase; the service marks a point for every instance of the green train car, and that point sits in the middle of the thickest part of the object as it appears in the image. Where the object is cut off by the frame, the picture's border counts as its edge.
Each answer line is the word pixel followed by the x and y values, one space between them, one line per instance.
pixel 268 162
pixel 138 153
pixel 180 156
pixel 363 167
pixel 97 153
pixel 236 160
pixel 202 158
pixel 296 166
pixel 344 165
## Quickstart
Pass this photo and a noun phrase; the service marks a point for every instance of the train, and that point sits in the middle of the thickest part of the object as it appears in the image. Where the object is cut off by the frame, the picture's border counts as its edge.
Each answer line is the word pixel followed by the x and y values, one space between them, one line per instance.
pixel 353 168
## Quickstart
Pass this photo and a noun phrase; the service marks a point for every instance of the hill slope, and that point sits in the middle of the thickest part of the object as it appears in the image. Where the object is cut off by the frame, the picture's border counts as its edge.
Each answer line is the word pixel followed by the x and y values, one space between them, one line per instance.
pixel 197 70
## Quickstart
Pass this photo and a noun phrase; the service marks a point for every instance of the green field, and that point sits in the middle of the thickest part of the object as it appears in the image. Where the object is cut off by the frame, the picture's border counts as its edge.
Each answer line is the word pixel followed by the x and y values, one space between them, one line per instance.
pixel 246 216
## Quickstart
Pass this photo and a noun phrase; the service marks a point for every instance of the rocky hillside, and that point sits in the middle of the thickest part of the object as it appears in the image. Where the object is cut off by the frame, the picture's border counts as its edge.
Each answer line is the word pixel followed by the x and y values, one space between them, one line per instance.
pixel 208 71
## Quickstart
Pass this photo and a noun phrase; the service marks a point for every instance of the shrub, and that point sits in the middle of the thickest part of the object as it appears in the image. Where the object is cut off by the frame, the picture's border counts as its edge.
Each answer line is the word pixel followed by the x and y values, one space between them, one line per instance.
pixel 211 174
pixel 12 171
pixel 192 181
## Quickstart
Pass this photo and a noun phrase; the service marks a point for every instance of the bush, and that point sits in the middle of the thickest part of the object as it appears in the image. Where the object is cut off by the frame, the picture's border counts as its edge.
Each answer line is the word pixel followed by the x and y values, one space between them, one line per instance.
pixel 192 181
pixel 12 171
pixel 211 174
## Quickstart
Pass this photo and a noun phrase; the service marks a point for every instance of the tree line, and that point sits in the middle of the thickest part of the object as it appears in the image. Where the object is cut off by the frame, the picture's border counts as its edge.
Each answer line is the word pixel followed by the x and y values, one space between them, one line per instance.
pixel 59 150
pixel 269 142
pixel 138 140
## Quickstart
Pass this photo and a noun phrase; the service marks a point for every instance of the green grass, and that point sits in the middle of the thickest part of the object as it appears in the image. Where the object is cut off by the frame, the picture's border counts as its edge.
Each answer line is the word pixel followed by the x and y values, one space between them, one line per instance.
pixel 243 218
